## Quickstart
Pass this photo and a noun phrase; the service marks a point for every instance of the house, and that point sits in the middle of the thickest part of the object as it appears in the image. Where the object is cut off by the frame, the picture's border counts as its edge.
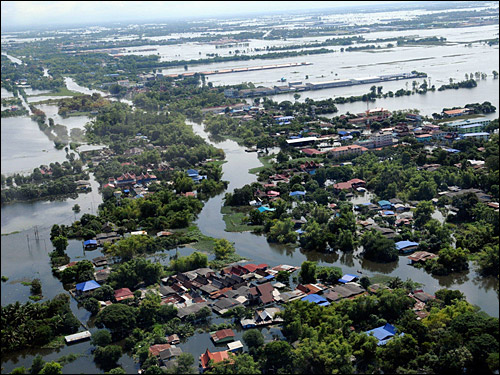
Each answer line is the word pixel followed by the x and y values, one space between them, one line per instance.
pixel 100 261
pixel 351 184
pixel 156 349
pixel 349 290
pixel 164 234
pixel 265 209
pixel 317 299
pixel 173 339
pixel 224 304
pixel 86 287
pixel 406 246
pixel 423 138
pixel 222 336
pixel 421 256
pixel 347 150
pixel 216 357
pixel 170 353
pixel 102 275
pixel 383 334
pixel 386 232
pixel 421 296
pixel 234 347
pixel 90 244
pixel 123 293
pixel 265 293
pixel 347 278
pixel 385 205
pixel 297 193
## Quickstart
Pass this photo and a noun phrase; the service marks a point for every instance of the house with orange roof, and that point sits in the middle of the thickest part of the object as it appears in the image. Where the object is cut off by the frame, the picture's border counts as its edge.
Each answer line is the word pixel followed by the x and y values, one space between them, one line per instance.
pixel 216 357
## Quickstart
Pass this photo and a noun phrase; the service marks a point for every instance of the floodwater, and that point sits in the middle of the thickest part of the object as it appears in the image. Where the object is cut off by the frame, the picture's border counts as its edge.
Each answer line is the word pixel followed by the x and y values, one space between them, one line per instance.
pixel 24 147
pixel 479 290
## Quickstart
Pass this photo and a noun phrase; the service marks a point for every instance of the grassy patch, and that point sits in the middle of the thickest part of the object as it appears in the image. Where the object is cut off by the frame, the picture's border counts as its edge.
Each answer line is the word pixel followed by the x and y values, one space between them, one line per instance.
pixel 58 342
pixel 35 298
pixel 62 91
pixel 266 163
pixel 65 359
pixel 7 234
pixel 216 162
pixel 221 263
pixel 380 279
pixel 5 278
pixel 26 283
pixel 232 217
pixel 203 242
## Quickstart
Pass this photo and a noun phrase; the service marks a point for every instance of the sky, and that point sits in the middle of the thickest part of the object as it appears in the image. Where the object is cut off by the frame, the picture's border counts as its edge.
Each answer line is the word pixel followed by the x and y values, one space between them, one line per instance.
pixel 30 14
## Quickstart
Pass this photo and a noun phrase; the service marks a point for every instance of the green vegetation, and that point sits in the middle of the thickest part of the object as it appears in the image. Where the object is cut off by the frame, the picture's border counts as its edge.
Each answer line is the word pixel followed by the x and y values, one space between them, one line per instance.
pixel 32 325
pixel 234 217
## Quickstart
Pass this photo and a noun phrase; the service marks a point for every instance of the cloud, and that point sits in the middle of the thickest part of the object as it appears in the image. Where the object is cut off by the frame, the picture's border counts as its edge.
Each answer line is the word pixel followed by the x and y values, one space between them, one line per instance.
pixel 40 13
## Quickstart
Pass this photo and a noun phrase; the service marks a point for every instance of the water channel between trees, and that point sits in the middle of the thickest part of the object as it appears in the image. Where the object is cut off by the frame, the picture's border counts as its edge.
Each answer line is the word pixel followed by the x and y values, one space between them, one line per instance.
pixel 24 257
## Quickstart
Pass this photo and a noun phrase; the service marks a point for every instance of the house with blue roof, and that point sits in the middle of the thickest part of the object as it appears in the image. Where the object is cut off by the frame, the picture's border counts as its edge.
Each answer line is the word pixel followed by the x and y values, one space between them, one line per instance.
pixel 383 334
pixel 90 244
pixel 86 287
pixel 265 209
pixel 406 246
pixel 319 300
pixel 297 193
pixel 347 278
pixel 385 205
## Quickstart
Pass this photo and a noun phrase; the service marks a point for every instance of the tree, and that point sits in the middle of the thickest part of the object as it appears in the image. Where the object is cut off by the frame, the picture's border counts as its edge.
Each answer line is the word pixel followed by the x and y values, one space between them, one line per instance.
pixel 36 287
pixel 76 208
pixel 101 337
pixel 448 296
pixel 365 282
pixel 253 338
pixel 107 356
pixel 51 368
pixel 378 248
pixel 329 275
pixel 184 364
pixel 60 243
pixel 119 318
pixel 307 273
pixel 37 364
pixel 239 364
pixel 423 213
pixel 277 355
pixel 19 370
pixel 223 248
pixel 116 370
pixel 92 305
pixel 283 277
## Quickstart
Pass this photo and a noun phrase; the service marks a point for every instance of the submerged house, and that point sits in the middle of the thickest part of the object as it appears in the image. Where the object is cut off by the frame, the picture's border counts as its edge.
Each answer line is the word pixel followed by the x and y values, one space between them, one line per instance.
pixel 406 246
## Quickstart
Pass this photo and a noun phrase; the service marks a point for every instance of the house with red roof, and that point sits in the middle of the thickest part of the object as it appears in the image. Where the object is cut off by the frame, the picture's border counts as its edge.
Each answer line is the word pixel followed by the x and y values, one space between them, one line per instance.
pixel 123 293
pixel 216 357
pixel 222 336
pixel 156 349
pixel 126 179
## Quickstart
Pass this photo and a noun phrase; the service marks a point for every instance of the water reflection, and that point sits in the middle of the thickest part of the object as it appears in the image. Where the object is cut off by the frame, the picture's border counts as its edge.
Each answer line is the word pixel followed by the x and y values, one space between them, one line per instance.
pixel 315 256
pixel 453 279
pixel 385 268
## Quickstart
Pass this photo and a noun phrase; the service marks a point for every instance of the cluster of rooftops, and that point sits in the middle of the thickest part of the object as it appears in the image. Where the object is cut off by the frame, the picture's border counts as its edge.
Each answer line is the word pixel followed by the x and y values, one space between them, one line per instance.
pixel 247 285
